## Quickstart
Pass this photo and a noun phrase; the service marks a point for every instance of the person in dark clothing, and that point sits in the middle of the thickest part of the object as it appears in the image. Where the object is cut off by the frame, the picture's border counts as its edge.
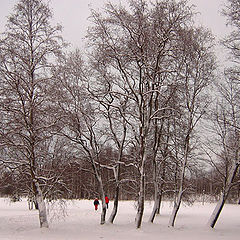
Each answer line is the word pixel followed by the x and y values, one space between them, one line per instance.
pixel 106 200
pixel 96 203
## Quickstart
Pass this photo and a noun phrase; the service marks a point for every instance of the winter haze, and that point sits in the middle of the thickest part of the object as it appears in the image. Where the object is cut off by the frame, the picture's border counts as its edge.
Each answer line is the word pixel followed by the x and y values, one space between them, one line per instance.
pixel 73 14
pixel 132 131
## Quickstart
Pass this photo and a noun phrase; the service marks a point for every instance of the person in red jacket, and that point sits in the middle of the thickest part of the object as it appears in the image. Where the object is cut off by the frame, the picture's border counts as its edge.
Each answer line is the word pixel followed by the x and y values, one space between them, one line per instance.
pixel 106 200
pixel 96 203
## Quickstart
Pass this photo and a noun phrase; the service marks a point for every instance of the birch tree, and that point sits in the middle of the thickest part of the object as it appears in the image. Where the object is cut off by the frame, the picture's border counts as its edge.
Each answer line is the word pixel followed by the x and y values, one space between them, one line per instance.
pixel 227 128
pixel 80 116
pixel 27 48
pixel 197 66
pixel 227 112
pixel 135 48
pixel 114 112
pixel 232 42
pixel 161 146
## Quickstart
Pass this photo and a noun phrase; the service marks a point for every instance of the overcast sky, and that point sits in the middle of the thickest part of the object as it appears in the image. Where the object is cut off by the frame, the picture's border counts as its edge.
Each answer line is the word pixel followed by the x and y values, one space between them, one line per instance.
pixel 72 15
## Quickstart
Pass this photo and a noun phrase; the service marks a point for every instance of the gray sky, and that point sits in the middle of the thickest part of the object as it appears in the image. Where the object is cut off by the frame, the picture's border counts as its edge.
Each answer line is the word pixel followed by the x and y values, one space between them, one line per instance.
pixel 72 15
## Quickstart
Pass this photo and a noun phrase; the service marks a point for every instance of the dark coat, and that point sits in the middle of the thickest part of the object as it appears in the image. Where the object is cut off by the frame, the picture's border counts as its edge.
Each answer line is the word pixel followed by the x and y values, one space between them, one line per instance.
pixel 96 202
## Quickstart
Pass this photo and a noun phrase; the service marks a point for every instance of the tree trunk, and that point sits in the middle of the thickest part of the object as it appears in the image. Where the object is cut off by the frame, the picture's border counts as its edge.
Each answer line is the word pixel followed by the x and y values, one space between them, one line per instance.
pixel 141 196
pixel 140 210
pixel 161 188
pixel 41 207
pixel 216 212
pixel 159 202
pixel 115 206
pixel 178 201
pixel 36 204
pixel 104 207
pixel 116 197
pixel 156 193
pixel 104 210
pixel 176 207
pixel 101 189
pixel 155 206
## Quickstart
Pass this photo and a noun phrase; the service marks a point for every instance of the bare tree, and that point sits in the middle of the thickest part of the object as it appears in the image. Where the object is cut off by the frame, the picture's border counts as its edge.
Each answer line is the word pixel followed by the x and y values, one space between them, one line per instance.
pixel 232 42
pixel 114 111
pixel 197 65
pixel 137 49
pixel 28 116
pixel 161 145
pixel 227 128
pixel 81 116
pixel 226 114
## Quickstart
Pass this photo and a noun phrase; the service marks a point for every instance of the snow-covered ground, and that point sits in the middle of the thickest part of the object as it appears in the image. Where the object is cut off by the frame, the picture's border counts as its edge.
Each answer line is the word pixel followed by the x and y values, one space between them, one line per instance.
pixel 78 220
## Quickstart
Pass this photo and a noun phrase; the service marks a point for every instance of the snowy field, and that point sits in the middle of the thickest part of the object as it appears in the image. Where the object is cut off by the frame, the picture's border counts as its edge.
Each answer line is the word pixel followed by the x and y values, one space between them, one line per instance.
pixel 78 220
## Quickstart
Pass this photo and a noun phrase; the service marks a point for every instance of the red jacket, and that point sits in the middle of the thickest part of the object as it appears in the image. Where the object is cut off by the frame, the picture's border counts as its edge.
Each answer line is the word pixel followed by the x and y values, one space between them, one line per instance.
pixel 106 199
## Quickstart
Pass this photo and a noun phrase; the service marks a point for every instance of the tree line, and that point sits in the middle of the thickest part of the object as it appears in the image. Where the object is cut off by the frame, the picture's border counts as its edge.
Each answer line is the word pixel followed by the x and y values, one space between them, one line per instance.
pixel 143 113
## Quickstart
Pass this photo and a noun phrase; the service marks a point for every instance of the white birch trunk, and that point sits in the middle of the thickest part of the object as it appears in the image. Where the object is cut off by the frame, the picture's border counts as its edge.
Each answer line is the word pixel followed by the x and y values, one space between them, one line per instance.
pixel 161 190
pixel 41 208
pixel 156 191
pixel 104 207
pixel 176 207
pixel 101 189
pixel 155 208
pixel 104 210
pixel 178 201
pixel 140 210
pixel 216 212
pixel 141 196
pixel 156 201
pixel 115 206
